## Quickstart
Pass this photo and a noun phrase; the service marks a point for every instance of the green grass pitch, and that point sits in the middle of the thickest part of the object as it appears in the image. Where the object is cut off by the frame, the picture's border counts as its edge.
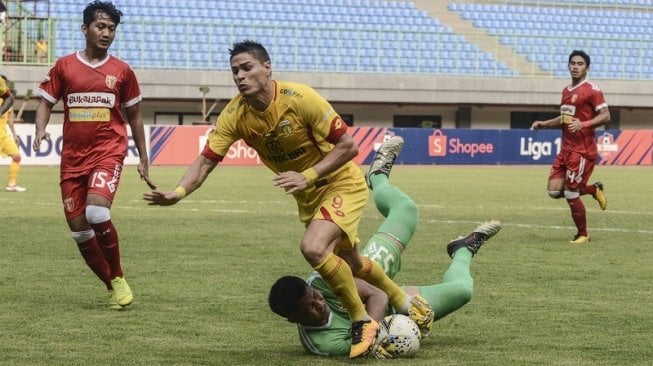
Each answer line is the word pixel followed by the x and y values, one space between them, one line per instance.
pixel 201 271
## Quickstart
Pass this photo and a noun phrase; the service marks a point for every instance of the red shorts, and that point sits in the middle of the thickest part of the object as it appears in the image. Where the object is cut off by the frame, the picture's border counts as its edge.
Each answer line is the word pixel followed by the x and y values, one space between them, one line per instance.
pixel 574 167
pixel 102 180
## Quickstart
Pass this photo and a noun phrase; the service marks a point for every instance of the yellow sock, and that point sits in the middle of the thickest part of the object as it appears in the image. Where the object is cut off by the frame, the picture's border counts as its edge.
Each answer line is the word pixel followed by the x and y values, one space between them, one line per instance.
pixel 14 168
pixel 374 274
pixel 337 273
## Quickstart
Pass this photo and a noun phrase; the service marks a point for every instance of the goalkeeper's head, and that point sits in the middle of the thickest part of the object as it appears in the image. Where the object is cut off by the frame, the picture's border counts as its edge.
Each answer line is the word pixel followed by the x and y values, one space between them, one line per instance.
pixel 292 298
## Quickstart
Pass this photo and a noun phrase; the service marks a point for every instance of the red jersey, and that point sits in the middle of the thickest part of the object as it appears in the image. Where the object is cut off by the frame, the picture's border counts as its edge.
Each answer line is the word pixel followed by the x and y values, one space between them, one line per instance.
pixel 582 101
pixel 93 95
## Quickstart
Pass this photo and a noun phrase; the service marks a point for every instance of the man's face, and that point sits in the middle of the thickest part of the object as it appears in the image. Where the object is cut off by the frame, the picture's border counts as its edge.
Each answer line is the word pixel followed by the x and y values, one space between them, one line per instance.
pixel 101 32
pixel 313 310
pixel 577 67
pixel 250 74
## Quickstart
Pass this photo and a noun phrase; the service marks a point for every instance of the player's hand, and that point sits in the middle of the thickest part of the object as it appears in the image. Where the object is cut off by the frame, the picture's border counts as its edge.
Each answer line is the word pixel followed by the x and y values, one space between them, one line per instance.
pixel 38 137
pixel 379 351
pixel 161 198
pixel 575 125
pixel 149 182
pixel 290 181
pixel 143 171
pixel 536 125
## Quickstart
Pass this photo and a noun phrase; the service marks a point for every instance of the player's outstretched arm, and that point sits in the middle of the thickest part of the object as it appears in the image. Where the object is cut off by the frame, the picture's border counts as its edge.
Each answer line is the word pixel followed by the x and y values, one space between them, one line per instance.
pixel 194 177
pixel 43 112
pixel 546 124
pixel 135 120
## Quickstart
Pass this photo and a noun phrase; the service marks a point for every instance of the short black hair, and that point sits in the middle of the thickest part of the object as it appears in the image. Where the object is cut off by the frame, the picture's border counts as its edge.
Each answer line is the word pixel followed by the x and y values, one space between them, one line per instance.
pixel 252 47
pixel 580 53
pixel 96 6
pixel 285 295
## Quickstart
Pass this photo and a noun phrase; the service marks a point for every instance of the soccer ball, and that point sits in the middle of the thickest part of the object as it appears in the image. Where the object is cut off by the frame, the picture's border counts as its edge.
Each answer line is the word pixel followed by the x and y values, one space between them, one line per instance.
pixel 399 335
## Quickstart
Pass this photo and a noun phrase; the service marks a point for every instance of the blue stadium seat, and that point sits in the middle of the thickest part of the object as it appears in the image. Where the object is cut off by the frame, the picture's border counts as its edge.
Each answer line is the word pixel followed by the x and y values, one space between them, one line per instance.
pixel 396 28
pixel 630 25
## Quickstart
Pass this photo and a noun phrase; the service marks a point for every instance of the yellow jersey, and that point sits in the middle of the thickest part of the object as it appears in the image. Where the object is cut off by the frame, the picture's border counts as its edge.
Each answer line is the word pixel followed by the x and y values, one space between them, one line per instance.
pixel 5 116
pixel 295 132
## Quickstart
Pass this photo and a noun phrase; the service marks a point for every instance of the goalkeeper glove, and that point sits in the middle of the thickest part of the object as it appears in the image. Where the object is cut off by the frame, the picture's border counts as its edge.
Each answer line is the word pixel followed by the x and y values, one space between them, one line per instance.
pixel 379 351
pixel 422 314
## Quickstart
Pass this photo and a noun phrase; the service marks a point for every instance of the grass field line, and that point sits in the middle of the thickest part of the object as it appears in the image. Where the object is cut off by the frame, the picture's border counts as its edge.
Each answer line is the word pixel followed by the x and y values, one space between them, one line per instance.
pixel 543 208
pixel 18 201
pixel 538 226
pixel 294 212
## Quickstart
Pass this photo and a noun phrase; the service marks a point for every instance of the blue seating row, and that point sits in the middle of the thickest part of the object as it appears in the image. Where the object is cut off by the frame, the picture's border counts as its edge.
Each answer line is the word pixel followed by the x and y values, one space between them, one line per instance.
pixel 372 35
pixel 618 39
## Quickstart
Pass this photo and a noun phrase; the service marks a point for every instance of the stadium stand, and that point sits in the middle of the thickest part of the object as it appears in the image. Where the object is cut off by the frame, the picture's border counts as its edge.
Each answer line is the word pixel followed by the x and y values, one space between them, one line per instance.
pixel 371 36
pixel 375 36
pixel 618 39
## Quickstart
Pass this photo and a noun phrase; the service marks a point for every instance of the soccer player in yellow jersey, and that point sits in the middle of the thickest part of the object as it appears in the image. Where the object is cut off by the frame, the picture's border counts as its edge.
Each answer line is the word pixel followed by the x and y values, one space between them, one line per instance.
pixel 299 136
pixel 9 144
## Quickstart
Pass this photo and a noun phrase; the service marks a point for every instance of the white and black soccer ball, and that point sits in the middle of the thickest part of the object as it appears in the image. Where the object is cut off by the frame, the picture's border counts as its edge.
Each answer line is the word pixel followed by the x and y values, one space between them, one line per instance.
pixel 399 335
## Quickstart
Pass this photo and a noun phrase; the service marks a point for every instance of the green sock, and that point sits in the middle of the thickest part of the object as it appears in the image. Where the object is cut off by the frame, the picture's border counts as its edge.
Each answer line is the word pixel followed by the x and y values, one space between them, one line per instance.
pixel 400 212
pixel 456 288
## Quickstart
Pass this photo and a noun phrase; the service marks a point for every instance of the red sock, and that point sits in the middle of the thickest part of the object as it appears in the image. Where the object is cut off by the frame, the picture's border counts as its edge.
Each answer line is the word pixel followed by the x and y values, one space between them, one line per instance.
pixel 107 238
pixel 92 254
pixel 591 189
pixel 578 214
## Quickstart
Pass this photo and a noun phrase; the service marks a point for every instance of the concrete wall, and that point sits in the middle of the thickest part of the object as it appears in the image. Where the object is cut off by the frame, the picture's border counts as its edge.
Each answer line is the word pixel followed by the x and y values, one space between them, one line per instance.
pixel 373 99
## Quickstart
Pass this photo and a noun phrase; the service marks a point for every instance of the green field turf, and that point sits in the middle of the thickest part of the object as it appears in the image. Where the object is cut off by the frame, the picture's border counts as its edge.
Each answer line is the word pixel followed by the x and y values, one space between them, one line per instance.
pixel 201 271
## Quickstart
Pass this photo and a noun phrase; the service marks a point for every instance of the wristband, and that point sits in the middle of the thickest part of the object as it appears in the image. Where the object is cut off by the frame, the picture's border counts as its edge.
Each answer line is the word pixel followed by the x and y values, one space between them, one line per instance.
pixel 311 175
pixel 182 192
pixel 586 124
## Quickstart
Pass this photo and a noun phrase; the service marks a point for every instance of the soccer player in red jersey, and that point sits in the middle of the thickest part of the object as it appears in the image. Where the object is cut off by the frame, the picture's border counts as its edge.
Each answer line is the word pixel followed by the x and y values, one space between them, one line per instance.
pixel 582 109
pixel 94 86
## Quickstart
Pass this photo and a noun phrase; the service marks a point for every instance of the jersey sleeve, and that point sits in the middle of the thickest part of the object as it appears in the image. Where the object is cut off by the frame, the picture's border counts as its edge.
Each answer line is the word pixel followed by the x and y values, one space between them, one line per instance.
pixel 321 117
pixel 598 101
pixel 220 139
pixel 50 88
pixel 131 92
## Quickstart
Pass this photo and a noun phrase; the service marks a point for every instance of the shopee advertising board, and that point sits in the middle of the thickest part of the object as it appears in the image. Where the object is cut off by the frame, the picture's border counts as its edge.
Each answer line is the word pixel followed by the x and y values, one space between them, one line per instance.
pixel 180 145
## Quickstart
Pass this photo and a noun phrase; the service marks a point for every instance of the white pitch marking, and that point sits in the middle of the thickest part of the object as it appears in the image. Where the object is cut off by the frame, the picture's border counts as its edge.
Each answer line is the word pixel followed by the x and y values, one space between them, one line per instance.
pixel 293 212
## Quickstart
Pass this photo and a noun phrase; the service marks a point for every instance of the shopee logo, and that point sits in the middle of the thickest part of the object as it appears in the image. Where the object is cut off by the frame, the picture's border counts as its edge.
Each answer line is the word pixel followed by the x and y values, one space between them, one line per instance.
pixel 437 144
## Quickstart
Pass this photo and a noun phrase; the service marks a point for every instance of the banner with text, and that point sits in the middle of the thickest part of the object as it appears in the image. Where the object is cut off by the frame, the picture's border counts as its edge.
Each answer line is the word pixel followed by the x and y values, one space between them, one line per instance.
pixel 180 145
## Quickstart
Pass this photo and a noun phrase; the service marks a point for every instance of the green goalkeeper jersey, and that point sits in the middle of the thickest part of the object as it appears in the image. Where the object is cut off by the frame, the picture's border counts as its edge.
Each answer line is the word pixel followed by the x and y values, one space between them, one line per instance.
pixel 333 338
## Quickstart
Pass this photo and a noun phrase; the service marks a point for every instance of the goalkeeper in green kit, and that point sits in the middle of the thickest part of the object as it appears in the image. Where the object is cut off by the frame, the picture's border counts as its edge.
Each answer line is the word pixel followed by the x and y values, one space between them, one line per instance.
pixel 323 324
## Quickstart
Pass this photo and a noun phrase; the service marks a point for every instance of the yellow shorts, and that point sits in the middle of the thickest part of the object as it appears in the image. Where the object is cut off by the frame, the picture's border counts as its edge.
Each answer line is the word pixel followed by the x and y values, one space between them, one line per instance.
pixel 341 202
pixel 8 146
